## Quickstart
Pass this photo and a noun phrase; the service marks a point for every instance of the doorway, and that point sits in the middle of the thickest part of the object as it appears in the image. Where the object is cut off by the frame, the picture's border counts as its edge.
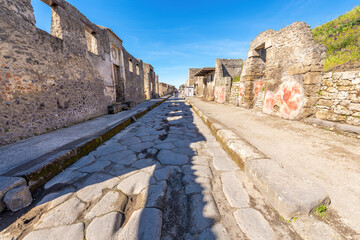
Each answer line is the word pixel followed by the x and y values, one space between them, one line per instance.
pixel 119 85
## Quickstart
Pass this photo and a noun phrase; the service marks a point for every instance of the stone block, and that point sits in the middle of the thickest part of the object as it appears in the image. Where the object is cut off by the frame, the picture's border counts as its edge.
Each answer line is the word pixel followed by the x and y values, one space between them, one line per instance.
pixel 18 198
pixel 73 232
pixel 290 195
pixel 244 150
pixel 354 107
pixel 7 183
pixel 104 227
pixel 312 78
pixel 225 135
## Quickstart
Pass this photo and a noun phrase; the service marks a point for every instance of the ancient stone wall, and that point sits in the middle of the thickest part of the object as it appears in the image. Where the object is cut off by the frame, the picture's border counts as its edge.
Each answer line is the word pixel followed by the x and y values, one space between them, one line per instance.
pixel 234 94
pixel 157 85
pixel 339 97
pixel 192 78
pixel 147 80
pixel 165 89
pixel 48 81
pixel 134 78
pixel 225 71
pixel 209 86
pixel 282 73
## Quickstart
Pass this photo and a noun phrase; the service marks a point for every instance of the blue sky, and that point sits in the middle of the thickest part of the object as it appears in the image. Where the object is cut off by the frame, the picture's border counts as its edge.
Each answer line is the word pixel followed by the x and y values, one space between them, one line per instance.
pixel 176 35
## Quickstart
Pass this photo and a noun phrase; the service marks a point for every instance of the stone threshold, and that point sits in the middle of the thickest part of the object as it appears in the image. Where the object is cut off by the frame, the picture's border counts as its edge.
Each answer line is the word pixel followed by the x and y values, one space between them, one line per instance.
pixel 38 171
pixel 293 197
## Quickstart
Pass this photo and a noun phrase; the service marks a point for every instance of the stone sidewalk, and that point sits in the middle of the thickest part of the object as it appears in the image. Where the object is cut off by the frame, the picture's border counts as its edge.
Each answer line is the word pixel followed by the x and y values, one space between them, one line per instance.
pixel 163 177
pixel 324 158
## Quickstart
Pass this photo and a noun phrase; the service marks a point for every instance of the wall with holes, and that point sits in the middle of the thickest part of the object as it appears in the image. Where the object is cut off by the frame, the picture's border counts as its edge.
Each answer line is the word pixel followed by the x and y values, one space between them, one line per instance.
pixel 50 81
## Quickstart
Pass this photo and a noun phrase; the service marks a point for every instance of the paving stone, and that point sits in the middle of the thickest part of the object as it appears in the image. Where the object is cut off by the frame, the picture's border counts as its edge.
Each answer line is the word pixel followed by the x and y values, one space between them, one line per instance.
pixel 2 206
pixel 64 214
pixel 253 224
pixel 119 157
pixel 163 173
pixel 132 141
pixel 154 195
pixel 144 224
pixel 108 149
pixel 135 183
pixel 97 166
pixel 215 232
pixel 187 151
pixel 92 187
pixel 104 227
pixel 171 158
pixel 203 212
pixel 82 162
pixel 152 151
pixel 224 164
pixel 197 184
pixel 165 146
pixel 142 146
pixel 149 138
pixel 234 190
pixel 198 170
pixel 65 177
pixel 200 160
pixel 119 169
pixel 56 198
pixel 17 198
pixel 71 232
pixel 112 201
pixel 7 183
pixel 183 143
pixel 143 163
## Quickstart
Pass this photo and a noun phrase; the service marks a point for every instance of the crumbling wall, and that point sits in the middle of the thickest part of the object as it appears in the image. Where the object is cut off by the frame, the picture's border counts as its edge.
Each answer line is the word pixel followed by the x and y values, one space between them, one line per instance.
pixel 209 88
pixel 192 78
pixel 165 89
pixel 225 71
pixel 282 73
pixel 339 97
pixel 147 80
pixel 48 81
pixel 134 78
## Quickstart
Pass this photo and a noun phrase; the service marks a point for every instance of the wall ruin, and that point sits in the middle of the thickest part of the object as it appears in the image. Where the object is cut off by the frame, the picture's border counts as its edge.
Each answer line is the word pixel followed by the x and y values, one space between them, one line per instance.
pixel 48 81
pixel 282 73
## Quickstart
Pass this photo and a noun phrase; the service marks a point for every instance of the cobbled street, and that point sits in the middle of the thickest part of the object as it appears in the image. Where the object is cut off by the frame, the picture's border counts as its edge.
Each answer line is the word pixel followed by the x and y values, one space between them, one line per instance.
pixel 163 177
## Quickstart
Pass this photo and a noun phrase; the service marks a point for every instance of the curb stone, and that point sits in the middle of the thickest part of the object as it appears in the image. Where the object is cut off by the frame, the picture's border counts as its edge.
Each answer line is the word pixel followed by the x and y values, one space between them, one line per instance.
pixel 56 162
pixel 289 197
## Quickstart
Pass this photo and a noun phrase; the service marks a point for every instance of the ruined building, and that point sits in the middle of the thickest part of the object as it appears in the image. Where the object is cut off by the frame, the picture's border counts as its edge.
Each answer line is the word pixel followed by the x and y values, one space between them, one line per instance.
pixel 48 81
pixel 283 76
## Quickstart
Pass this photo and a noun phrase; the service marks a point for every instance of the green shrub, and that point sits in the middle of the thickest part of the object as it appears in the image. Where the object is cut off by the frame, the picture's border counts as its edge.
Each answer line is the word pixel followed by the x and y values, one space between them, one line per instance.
pixel 341 37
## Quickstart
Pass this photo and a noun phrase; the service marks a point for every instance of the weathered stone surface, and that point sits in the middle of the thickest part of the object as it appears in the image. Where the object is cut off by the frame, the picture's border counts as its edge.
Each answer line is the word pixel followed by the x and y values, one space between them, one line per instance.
pixel 290 195
pixel 165 146
pixel 97 166
pixel 71 232
pixel 203 212
pixel 82 162
pixel 224 164
pixel 64 214
pixel 171 158
pixel 141 146
pixel 7 183
pixel 200 160
pixel 197 170
pixel 253 224
pixel 135 183
pixel 56 198
pixel 234 190
pixel 112 201
pixel 163 173
pixel 93 186
pixel 144 163
pixel 197 184
pixel 144 223
pixel 123 157
pixel 104 227
pixel 244 150
pixel 155 194
pixel 17 198
pixel 215 232
pixel 226 135
pixel 65 177
pixel 309 228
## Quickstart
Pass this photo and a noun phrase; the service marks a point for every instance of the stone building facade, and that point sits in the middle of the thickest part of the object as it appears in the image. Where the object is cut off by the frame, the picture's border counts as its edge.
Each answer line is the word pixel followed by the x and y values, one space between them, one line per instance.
pixel 48 81
pixel 282 73
pixel 205 85
pixel 226 70
pixel 166 89
pixel 149 81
